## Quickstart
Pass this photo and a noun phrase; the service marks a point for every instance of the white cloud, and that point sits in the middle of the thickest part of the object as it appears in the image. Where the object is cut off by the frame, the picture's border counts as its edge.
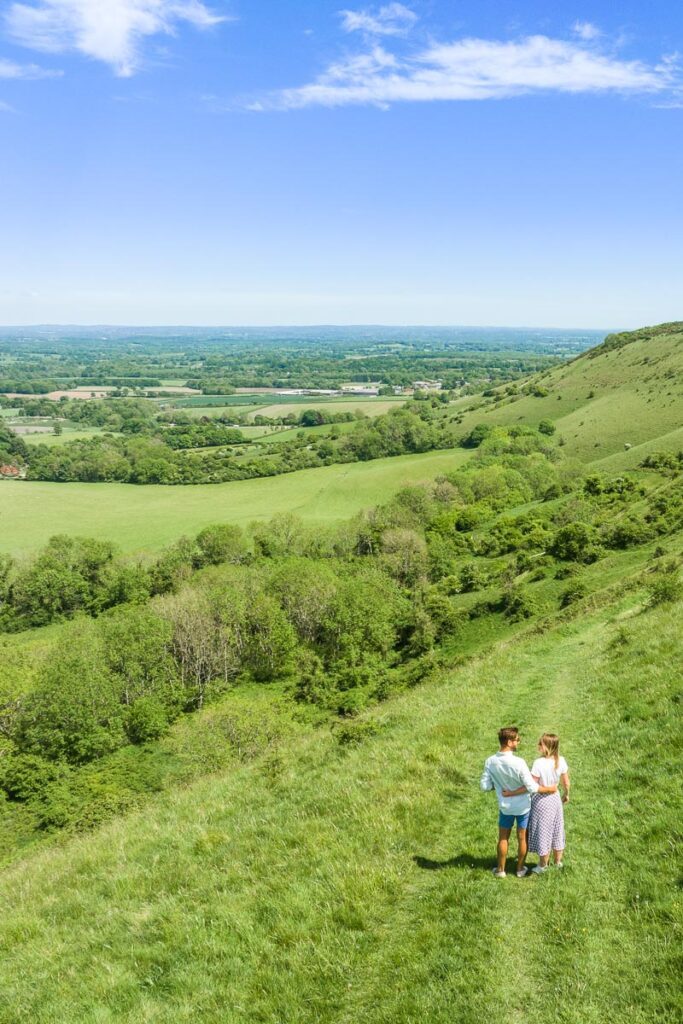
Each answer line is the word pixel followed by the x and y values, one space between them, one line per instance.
pixel 108 30
pixel 586 30
pixel 479 69
pixel 390 20
pixel 9 69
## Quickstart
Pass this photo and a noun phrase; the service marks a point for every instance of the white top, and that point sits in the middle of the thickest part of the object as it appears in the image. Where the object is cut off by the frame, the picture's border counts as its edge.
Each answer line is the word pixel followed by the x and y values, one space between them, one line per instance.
pixel 544 769
pixel 505 770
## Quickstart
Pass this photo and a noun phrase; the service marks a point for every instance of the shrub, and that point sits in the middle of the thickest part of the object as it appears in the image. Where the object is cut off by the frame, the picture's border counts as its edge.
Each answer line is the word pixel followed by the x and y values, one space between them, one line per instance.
pixel 26 776
pixel 147 719
pixel 353 733
pixel 576 542
pixel 518 603
pixel 666 589
pixel 576 591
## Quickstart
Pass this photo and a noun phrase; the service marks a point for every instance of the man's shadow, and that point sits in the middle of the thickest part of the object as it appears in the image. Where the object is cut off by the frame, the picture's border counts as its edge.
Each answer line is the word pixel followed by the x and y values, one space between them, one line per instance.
pixel 463 860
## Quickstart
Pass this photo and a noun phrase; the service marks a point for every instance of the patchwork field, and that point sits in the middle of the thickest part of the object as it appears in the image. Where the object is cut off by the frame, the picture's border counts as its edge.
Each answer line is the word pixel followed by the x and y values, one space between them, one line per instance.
pixel 145 518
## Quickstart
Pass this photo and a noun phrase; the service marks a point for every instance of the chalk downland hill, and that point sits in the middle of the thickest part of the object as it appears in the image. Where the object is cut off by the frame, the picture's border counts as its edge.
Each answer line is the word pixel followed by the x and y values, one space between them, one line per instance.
pixel 627 391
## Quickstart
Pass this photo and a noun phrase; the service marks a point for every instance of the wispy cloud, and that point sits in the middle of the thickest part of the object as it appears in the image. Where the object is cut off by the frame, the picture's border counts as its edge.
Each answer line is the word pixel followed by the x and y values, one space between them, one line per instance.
pixel 112 31
pixel 478 69
pixel 9 69
pixel 586 30
pixel 391 20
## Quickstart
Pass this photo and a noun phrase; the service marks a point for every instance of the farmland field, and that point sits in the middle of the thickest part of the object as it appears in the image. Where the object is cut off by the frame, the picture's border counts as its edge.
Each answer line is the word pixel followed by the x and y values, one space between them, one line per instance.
pixel 68 434
pixel 145 518
pixel 368 406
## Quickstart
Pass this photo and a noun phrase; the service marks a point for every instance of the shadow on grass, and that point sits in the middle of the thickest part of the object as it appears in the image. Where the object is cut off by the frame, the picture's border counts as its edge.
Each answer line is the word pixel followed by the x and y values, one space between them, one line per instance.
pixel 463 860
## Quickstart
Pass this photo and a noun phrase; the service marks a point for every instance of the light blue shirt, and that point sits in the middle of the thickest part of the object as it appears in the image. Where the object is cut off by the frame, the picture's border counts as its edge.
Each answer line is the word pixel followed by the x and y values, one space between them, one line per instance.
pixel 505 770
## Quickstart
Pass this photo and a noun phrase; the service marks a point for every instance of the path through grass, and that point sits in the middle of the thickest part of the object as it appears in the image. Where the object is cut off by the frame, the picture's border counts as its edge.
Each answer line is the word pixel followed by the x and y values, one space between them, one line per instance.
pixel 352 884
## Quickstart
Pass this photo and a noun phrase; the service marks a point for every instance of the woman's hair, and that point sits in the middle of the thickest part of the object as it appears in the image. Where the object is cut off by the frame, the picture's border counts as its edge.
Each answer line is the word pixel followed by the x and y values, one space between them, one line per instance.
pixel 550 745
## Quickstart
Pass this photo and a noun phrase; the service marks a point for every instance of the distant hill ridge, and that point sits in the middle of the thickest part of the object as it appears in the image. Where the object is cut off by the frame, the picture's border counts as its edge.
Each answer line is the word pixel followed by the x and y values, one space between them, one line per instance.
pixel 614 341
pixel 628 391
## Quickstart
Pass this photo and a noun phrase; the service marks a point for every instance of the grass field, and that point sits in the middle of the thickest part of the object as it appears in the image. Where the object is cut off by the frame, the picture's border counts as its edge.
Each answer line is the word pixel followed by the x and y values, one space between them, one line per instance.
pixel 368 406
pixel 145 518
pixel 68 434
pixel 352 884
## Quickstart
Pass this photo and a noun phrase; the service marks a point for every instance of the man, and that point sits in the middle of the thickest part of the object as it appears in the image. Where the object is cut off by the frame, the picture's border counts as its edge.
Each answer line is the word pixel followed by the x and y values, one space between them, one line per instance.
pixel 506 771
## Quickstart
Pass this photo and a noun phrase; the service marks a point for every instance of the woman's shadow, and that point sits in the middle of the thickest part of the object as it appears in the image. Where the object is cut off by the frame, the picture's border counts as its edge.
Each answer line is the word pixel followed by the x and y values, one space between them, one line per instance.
pixel 463 860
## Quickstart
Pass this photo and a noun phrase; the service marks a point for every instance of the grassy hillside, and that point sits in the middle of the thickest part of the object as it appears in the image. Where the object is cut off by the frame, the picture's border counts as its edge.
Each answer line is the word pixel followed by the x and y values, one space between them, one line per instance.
pixel 145 518
pixel 626 391
pixel 349 882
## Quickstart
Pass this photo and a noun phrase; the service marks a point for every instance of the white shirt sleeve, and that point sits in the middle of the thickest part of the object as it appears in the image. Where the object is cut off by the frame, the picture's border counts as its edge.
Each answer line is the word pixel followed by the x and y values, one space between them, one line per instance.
pixel 526 780
pixel 562 766
pixel 486 782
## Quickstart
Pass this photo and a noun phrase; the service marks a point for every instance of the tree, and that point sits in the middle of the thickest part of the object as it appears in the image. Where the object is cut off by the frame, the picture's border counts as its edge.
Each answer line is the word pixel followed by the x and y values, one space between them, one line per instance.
pixel 221 543
pixel 74 712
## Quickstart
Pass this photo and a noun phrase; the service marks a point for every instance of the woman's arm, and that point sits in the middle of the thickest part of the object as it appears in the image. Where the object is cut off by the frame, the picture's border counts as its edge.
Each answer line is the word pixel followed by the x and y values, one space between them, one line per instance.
pixel 564 779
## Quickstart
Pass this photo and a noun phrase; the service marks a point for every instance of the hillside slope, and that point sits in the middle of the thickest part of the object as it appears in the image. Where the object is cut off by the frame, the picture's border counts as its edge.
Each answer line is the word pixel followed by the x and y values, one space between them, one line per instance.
pixel 350 883
pixel 627 391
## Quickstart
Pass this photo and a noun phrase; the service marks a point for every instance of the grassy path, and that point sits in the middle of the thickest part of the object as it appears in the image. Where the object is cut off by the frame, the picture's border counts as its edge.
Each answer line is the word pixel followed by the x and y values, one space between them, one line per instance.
pixel 352 885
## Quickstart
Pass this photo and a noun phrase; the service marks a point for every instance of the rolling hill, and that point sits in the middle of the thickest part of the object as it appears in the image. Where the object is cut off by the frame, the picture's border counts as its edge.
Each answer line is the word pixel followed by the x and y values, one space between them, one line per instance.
pixel 627 391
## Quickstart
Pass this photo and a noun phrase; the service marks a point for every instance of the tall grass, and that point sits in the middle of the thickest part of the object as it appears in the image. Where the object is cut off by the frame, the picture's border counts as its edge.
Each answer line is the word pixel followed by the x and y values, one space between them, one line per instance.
pixel 350 882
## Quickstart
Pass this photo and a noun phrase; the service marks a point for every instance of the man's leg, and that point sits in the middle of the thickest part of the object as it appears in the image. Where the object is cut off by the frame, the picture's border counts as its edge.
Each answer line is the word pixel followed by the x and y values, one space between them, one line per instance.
pixel 503 837
pixel 521 848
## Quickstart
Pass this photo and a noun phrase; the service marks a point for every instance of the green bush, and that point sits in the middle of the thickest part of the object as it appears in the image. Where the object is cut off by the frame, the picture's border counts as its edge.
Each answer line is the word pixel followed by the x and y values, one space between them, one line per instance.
pixel 666 589
pixel 146 720
pixel 576 591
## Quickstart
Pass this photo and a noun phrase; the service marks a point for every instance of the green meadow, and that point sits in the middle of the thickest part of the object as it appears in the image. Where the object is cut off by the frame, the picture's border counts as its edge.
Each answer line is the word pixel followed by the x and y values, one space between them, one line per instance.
pixel 145 518
pixel 329 882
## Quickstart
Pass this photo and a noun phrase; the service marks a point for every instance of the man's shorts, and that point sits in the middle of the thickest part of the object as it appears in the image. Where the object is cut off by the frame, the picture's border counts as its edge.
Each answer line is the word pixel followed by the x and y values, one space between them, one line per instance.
pixel 508 820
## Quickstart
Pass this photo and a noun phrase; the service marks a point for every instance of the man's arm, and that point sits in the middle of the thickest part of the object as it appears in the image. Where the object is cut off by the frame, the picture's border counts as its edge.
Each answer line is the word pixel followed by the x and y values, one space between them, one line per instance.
pixel 486 782
pixel 530 783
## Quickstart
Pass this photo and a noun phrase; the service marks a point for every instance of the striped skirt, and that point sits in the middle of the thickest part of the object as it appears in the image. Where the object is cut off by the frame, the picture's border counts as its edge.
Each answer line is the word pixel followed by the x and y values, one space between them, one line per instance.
pixel 546 824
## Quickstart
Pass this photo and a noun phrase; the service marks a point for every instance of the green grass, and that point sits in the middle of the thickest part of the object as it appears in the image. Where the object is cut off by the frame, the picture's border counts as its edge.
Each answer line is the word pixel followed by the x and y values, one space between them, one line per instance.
pixel 352 885
pixel 68 434
pixel 368 406
pixel 145 518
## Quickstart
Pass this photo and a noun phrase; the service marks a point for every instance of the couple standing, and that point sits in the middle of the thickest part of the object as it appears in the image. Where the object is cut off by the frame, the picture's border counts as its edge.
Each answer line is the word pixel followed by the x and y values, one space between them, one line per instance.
pixel 529 797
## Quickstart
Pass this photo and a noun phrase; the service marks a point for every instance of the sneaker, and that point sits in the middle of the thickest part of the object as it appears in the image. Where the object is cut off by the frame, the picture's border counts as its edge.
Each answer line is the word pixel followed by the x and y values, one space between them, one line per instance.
pixel 523 873
pixel 539 869
pixel 559 864
pixel 498 874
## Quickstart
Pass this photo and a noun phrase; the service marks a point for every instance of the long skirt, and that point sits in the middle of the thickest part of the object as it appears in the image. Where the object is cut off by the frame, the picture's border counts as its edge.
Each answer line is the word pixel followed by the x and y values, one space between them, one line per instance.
pixel 546 824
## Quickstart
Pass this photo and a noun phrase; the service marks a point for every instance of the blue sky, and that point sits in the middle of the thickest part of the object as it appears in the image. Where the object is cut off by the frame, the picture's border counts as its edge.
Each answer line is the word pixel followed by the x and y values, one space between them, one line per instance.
pixel 308 161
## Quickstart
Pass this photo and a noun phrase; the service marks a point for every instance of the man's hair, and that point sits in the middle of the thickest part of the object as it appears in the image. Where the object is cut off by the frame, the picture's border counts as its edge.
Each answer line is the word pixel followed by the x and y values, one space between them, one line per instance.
pixel 507 734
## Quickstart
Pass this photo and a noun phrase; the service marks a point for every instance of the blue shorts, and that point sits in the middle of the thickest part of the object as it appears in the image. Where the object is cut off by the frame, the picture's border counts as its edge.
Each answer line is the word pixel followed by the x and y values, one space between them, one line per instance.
pixel 508 820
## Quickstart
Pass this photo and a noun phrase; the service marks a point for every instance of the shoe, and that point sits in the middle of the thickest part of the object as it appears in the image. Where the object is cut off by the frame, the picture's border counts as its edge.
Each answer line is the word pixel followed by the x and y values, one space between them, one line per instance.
pixel 559 864
pixel 539 869
pixel 498 874
pixel 523 873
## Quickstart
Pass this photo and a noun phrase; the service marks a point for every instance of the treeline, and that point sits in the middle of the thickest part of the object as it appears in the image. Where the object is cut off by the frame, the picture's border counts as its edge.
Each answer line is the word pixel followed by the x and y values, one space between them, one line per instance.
pixel 158 458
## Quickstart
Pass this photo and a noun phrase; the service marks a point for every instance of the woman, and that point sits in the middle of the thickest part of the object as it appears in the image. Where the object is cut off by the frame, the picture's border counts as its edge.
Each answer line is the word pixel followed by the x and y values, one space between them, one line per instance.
pixel 546 824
